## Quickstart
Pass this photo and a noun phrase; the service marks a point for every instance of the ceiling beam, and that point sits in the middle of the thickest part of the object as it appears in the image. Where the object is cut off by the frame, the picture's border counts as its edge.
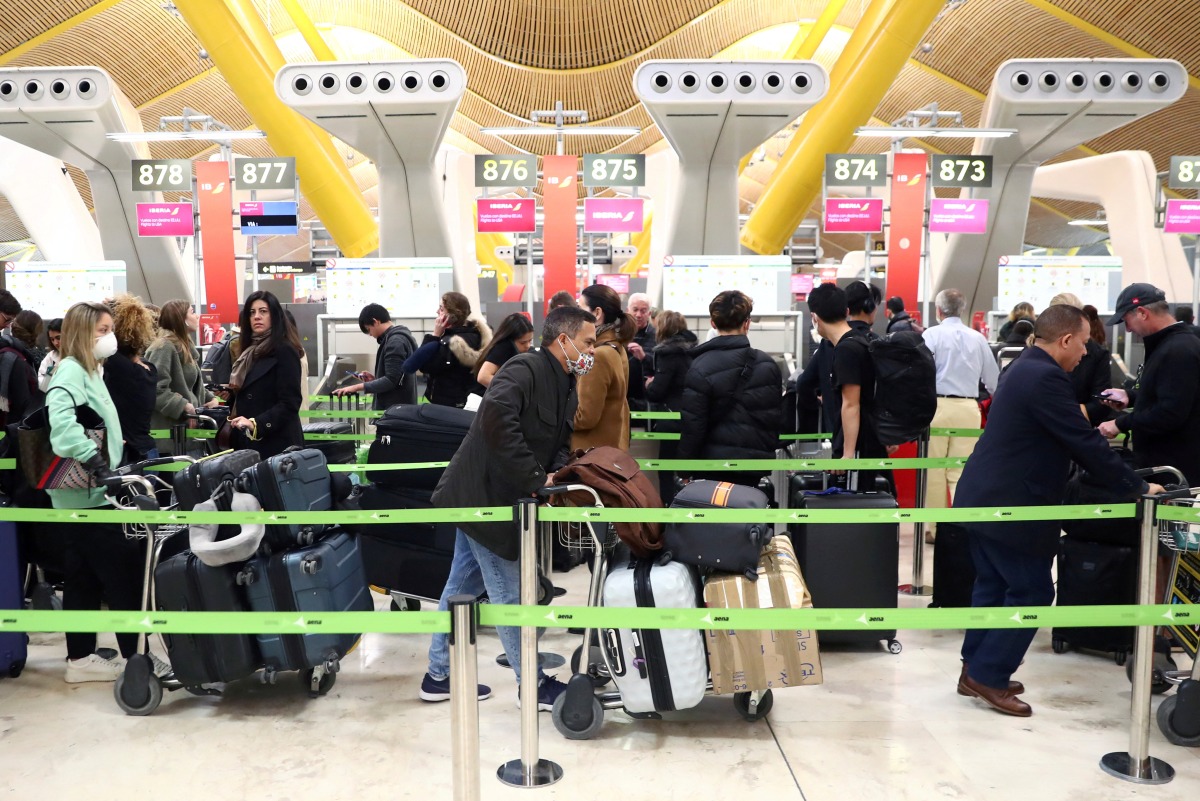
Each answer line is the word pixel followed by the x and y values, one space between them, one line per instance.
pixel 57 30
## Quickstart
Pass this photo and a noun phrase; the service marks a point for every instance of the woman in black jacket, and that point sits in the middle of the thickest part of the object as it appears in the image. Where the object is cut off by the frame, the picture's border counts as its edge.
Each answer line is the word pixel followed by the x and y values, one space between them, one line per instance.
pixel 448 355
pixel 132 382
pixel 732 400
pixel 672 357
pixel 1093 374
pixel 264 386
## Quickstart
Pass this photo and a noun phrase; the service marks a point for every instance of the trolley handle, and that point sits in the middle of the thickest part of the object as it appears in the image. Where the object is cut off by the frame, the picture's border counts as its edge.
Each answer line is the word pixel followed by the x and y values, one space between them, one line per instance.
pixel 1164 470
pixel 563 489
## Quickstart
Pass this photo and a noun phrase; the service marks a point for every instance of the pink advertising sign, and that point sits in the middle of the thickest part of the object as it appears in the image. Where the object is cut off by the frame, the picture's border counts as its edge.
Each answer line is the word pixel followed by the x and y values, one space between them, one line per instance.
pixel 509 216
pixel 857 216
pixel 620 215
pixel 165 219
pixel 618 281
pixel 1183 217
pixel 952 216
pixel 802 283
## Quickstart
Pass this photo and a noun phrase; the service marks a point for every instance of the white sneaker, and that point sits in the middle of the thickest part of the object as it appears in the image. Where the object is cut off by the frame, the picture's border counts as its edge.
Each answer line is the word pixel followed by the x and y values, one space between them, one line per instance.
pixel 93 667
pixel 161 668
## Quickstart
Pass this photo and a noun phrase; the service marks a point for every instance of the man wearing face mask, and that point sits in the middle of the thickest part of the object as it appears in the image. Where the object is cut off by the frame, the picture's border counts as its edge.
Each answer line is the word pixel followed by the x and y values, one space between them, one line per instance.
pixel 518 439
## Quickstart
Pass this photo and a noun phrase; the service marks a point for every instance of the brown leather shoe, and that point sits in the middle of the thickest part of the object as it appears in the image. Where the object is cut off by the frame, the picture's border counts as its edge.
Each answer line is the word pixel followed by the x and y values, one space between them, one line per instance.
pixel 1014 687
pixel 1000 700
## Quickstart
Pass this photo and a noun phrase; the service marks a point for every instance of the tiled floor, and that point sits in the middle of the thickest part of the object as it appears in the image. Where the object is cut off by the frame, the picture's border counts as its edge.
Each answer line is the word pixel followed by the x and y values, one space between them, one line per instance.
pixel 880 727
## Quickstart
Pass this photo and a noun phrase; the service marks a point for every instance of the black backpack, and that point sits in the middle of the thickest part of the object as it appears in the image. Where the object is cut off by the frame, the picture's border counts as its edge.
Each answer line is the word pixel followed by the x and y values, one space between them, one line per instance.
pixel 905 387
pixel 218 361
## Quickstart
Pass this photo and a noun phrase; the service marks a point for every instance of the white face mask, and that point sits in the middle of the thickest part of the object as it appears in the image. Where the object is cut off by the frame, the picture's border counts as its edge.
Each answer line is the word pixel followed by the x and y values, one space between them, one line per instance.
pixel 105 346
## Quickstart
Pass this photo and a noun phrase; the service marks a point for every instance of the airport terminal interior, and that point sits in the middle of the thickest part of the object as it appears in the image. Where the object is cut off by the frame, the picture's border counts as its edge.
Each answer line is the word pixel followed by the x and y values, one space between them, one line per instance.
pixel 340 153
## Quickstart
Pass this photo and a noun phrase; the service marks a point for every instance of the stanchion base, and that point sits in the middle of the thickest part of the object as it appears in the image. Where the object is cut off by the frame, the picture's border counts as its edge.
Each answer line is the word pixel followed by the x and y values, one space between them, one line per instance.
pixel 544 773
pixel 909 589
pixel 545 661
pixel 1122 765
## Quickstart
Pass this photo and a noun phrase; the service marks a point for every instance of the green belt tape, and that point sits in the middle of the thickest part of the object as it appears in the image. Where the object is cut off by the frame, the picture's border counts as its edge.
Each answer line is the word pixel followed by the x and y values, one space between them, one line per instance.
pixel 8 464
pixel 491 514
pixel 956 432
pixel 347 414
pixel 192 433
pixel 975 515
pixel 595 617
pixel 362 468
pixel 655 435
pixel 208 433
pixel 804 437
pixel 769 465
pixel 1185 514
pixel 654 415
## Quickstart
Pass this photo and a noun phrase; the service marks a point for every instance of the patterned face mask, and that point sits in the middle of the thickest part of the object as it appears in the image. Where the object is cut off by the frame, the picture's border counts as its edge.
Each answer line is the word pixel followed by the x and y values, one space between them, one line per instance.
pixel 582 364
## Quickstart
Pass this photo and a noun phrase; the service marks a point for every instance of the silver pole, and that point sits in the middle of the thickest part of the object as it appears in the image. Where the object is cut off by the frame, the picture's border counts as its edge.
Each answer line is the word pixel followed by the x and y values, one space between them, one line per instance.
pixel 529 770
pixel 1196 279
pixel 918 548
pixel 464 698
pixel 1137 765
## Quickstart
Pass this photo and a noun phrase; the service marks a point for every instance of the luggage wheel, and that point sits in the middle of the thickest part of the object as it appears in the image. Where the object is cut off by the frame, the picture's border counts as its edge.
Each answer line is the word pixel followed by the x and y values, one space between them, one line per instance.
pixel 894 646
pixel 319 680
pixel 244 577
pixel 578 713
pixel 1059 645
pixel 753 706
pixel 1163 664
pixel 1179 715
pixel 268 676
pixel 137 690
pixel 310 565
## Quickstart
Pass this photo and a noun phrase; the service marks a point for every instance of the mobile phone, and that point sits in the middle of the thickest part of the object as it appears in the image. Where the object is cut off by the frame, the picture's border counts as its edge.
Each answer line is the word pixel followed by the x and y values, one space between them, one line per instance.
pixel 1104 397
pixel 217 387
pixel 356 375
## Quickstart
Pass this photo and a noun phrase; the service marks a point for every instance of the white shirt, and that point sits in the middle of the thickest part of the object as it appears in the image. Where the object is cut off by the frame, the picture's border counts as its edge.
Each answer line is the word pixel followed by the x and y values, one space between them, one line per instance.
pixel 963 359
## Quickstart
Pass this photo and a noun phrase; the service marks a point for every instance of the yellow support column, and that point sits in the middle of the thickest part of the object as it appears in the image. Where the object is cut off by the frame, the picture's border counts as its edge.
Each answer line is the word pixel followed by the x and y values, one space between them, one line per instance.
pixel 311 35
pixel 325 178
pixel 805 47
pixel 641 241
pixel 854 92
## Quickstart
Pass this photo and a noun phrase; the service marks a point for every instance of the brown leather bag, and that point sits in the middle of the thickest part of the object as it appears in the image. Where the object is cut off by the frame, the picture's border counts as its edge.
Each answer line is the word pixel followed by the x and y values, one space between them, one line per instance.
pixel 621 484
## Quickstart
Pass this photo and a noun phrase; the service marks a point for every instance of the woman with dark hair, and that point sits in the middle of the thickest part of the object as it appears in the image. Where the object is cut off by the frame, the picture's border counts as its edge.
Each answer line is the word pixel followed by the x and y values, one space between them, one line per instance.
pixel 449 354
pixel 27 327
pixel 672 357
pixel 515 335
pixel 603 414
pixel 53 336
pixel 174 354
pixel 264 386
pixel 1093 375
pixel 132 382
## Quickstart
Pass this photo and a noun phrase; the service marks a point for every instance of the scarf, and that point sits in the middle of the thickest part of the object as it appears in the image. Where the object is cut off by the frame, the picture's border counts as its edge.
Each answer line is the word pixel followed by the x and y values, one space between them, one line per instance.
pixel 247 358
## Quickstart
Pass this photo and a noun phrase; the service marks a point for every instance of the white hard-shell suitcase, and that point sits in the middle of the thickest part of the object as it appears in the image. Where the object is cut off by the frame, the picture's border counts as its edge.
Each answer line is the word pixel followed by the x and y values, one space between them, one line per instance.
pixel 656 670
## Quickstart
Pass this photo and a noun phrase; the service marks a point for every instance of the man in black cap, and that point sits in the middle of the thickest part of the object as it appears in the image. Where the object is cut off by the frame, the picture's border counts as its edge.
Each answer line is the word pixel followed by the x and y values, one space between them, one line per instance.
pixel 1165 421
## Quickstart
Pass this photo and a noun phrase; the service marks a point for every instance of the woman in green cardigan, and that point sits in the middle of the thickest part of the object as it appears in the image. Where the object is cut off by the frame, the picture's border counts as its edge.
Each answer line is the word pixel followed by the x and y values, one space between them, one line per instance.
pixel 101 564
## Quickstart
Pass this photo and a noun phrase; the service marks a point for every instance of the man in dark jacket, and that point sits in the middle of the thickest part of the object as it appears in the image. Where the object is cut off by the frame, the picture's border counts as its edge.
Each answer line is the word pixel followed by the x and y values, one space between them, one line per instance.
pixel 733 394
pixel 389 383
pixel 1034 431
pixel 1165 421
pixel 19 394
pixel 898 318
pixel 518 439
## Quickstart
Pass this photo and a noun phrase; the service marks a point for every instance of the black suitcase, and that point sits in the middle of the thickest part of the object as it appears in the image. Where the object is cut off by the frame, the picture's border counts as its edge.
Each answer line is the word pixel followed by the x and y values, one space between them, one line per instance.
pixel 423 432
pixel 336 451
pixel 325 577
pixel 200 481
pixel 849 565
pixel 13 645
pixel 727 547
pixel 412 559
pixel 292 481
pixel 185 584
pixel 953 567
pixel 1091 573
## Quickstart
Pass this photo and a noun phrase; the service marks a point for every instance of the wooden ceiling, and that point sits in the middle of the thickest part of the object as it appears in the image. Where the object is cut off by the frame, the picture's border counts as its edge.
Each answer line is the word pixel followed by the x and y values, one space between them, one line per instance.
pixel 521 55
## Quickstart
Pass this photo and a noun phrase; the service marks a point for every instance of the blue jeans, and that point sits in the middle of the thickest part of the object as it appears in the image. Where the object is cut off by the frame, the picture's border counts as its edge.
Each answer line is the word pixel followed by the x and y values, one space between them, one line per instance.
pixel 1004 577
pixel 473 570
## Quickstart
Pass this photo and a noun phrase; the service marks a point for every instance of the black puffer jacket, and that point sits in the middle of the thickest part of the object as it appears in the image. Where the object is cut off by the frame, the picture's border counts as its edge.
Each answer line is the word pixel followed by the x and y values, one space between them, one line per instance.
pixel 671 361
pixel 449 370
pixel 731 403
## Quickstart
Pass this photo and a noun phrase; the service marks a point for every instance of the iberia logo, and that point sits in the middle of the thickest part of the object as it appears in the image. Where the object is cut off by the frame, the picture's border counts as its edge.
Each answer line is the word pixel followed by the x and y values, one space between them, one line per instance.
pixel 628 217
pixel 220 188
pixel 865 207
pixel 971 207
pixel 566 182
pixel 175 212
pixel 916 179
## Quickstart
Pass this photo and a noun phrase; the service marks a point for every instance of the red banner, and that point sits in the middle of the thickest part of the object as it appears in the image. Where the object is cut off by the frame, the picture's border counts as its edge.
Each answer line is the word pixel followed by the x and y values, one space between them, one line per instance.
pixel 906 236
pixel 559 196
pixel 214 197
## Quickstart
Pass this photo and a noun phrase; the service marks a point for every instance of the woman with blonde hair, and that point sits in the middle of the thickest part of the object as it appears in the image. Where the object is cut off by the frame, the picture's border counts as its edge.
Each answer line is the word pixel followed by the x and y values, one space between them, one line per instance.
pixel 100 564
pixel 1022 311
pixel 1093 374
pixel 180 390
pixel 133 382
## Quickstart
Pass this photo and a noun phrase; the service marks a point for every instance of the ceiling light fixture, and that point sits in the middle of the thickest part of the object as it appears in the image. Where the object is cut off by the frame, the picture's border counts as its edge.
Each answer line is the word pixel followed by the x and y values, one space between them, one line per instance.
pixel 923 123
pixel 1099 222
pixel 181 136
pixel 570 130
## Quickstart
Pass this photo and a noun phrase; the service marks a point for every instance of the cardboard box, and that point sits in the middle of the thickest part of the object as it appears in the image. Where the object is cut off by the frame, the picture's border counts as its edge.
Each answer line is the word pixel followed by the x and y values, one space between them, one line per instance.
pixel 762 660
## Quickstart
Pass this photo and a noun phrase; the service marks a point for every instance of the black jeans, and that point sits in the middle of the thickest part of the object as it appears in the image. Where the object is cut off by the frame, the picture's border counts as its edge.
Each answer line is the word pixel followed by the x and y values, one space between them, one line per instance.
pixel 101 566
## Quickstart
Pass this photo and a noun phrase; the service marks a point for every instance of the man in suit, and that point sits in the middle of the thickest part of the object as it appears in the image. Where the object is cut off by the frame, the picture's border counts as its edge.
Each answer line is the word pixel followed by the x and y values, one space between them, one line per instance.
pixel 1035 430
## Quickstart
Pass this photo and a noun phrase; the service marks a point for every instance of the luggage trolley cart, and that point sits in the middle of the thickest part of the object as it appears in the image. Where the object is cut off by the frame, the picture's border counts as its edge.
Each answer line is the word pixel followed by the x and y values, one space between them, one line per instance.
pixel 579 712
pixel 138 691
pixel 1179 714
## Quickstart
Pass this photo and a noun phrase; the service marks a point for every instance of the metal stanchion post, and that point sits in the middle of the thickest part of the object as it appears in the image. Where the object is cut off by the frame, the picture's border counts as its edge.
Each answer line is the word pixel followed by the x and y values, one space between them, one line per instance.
pixel 529 770
pixel 1137 765
pixel 918 549
pixel 464 698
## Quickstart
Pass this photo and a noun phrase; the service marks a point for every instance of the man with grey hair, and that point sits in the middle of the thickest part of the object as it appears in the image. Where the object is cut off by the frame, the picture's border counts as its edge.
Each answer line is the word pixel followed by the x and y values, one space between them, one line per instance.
pixel 641 350
pixel 964 360
pixel 518 439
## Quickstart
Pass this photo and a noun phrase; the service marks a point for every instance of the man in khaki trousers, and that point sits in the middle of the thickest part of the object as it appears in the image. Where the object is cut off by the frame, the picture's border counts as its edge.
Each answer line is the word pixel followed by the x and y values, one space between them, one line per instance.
pixel 963 360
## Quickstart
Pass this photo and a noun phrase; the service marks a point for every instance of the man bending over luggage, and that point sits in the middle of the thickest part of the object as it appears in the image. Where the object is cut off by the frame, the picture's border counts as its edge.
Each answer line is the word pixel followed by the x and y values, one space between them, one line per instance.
pixel 1034 431
pixel 512 450
pixel 389 383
